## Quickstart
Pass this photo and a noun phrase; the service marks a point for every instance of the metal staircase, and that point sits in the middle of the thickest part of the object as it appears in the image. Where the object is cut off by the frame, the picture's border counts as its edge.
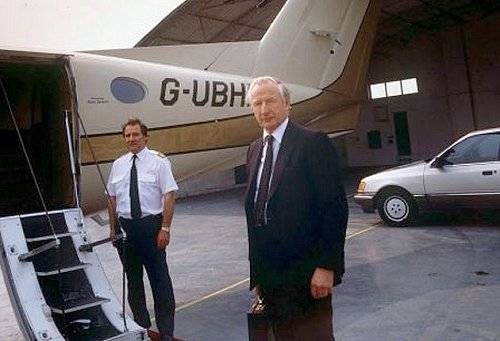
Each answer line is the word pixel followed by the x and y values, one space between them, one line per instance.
pixel 57 286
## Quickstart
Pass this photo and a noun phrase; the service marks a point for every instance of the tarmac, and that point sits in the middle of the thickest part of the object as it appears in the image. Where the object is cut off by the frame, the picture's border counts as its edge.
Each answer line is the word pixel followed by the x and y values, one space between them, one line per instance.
pixel 436 280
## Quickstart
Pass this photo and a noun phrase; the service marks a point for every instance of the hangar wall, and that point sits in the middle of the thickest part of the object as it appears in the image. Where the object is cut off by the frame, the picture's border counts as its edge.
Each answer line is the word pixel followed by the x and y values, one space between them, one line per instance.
pixel 458 75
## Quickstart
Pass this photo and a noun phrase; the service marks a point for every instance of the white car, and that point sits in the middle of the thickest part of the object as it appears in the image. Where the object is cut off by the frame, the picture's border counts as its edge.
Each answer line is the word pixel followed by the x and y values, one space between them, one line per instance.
pixel 464 175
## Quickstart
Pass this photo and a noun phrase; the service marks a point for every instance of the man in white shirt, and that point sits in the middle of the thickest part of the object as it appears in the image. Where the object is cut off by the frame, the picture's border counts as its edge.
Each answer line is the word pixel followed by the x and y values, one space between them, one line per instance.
pixel 141 201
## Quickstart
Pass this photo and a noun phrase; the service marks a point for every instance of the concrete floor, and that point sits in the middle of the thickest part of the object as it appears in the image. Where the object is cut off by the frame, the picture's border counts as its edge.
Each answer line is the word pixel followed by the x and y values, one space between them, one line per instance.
pixel 439 280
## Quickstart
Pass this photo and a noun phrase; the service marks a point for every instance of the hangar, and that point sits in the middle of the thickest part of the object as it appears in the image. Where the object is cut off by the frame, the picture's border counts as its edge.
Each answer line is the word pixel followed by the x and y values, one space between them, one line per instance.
pixel 433 75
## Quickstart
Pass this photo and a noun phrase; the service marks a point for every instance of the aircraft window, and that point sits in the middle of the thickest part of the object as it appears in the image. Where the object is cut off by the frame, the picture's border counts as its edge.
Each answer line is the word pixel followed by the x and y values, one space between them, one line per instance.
pixel 128 90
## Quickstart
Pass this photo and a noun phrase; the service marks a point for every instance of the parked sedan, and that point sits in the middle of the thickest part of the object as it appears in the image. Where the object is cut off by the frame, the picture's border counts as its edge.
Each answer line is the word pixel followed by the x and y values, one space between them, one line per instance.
pixel 464 175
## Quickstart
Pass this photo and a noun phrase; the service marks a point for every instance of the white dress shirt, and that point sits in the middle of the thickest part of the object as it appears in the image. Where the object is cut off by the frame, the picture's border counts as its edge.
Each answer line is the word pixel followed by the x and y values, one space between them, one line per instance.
pixel 155 179
pixel 277 138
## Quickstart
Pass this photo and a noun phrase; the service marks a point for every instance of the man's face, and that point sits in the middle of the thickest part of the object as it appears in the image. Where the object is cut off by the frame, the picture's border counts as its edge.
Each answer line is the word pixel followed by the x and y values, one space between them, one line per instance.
pixel 134 138
pixel 269 109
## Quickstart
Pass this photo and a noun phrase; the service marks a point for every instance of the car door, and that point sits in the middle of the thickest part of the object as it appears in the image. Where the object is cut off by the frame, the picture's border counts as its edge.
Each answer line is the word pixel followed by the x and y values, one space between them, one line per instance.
pixel 467 176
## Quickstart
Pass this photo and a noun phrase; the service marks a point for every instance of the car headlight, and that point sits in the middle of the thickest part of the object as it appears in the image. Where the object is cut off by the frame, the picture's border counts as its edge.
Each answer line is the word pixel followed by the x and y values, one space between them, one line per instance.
pixel 361 186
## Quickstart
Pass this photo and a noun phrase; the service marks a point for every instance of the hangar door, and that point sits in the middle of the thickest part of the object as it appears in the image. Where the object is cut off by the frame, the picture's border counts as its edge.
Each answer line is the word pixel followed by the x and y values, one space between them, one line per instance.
pixel 402 133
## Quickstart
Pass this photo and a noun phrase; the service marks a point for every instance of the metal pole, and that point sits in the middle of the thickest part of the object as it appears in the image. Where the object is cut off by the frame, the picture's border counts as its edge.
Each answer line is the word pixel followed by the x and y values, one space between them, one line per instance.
pixel 71 157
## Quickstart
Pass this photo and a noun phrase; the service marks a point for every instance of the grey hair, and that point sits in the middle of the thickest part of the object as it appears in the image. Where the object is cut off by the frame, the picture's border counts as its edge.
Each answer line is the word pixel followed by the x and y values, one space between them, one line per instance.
pixel 284 92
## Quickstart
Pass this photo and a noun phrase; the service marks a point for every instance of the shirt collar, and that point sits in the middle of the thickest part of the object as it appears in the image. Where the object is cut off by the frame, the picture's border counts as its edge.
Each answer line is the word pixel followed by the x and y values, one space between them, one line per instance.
pixel 278 132
pixel 140 155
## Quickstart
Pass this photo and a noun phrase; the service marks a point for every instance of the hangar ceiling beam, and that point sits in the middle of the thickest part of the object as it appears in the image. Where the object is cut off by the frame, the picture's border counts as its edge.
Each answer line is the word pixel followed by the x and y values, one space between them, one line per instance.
pixel 452 14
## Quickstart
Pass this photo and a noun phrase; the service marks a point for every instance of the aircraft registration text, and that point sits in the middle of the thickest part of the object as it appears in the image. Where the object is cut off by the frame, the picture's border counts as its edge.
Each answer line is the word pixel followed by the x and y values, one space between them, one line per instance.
pixel 201 93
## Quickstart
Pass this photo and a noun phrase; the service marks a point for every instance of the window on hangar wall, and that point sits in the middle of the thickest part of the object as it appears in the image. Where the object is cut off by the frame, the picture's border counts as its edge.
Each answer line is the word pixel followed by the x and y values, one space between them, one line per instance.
pixel 394 88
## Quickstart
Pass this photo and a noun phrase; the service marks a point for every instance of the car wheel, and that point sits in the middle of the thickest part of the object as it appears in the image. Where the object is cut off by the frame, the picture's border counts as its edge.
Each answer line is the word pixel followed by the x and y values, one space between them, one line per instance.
pixel 396 207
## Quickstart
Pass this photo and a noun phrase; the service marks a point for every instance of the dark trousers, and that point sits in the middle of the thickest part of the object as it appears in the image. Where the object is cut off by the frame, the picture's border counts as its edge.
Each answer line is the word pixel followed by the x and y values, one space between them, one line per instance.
pixel 140 252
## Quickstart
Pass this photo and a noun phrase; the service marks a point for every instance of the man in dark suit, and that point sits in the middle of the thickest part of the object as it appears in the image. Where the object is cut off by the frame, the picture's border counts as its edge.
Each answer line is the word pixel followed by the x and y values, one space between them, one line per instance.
pixel 296 213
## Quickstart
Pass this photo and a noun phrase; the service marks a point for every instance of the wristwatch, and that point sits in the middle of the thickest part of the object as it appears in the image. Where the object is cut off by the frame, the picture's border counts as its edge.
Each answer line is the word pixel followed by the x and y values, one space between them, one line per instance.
pixel 166 229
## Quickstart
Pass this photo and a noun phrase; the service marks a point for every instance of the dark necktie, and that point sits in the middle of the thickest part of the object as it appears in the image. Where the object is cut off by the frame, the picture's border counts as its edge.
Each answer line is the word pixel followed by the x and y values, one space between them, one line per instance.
pixel 135 205
pixel 260 203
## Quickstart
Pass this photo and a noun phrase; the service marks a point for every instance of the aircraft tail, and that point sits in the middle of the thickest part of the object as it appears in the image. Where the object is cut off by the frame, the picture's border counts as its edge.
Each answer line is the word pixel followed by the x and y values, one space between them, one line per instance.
pixel 310 42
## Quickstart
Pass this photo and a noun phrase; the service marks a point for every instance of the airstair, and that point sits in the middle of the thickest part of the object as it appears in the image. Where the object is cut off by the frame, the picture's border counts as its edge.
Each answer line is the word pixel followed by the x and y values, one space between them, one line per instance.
pixel 57 284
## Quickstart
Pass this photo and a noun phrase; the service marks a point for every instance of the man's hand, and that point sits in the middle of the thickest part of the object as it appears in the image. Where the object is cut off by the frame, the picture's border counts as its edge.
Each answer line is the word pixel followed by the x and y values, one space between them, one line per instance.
pixel 162 239
pixel 321 283
pixel 112 236
pixel 258 291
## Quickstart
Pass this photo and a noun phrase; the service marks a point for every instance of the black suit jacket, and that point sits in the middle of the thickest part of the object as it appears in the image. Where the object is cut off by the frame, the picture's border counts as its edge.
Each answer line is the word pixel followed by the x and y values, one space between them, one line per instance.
pixel 306 219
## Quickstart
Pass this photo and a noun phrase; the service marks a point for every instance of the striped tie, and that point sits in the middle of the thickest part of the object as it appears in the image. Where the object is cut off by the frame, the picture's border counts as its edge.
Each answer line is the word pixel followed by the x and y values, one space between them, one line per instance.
pixel 260 203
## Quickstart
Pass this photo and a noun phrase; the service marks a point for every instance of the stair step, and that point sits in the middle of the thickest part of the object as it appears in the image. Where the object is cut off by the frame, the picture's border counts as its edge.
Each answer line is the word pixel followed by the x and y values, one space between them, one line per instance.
pixel 50 237
pixel 55 271
pixel 78 304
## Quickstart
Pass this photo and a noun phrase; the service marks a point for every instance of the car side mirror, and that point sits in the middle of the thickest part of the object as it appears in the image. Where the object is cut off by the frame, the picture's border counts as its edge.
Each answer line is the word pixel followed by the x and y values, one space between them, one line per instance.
pixel 439 162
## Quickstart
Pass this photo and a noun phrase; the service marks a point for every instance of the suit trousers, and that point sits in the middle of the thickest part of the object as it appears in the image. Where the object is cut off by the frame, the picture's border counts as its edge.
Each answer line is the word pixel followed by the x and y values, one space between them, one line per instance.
pixel 316 324
pixel 140 252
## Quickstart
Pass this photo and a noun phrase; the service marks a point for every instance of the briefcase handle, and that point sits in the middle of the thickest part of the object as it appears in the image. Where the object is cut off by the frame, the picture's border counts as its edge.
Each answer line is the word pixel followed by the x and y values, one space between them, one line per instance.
pixel 258 307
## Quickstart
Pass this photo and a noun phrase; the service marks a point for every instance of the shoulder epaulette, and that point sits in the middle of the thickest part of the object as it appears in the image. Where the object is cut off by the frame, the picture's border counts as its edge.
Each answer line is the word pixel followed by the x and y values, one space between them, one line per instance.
pixel 158 153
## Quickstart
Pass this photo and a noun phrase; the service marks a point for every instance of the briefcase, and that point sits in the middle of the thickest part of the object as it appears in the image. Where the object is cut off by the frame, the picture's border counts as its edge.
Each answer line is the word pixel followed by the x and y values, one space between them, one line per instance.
pixel 257 321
